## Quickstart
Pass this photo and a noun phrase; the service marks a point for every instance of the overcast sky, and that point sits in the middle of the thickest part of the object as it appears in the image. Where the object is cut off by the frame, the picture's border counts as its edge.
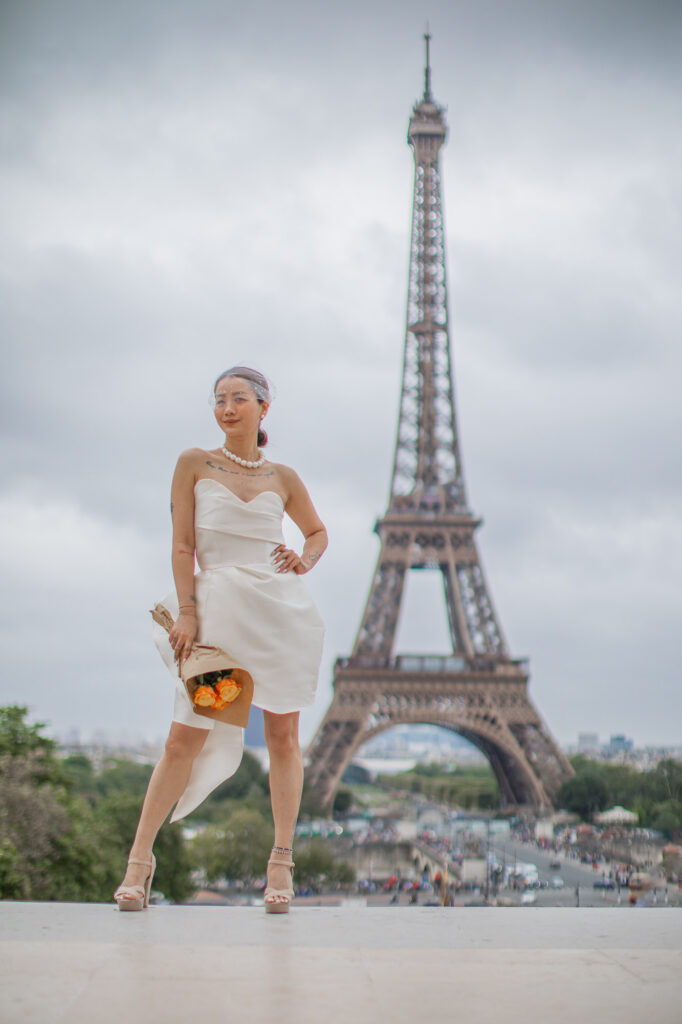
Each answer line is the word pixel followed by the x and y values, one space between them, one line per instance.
pixel 185 186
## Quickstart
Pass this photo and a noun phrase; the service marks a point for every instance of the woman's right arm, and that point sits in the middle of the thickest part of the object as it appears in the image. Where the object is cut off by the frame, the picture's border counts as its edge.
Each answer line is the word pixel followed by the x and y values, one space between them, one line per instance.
pixel 184 631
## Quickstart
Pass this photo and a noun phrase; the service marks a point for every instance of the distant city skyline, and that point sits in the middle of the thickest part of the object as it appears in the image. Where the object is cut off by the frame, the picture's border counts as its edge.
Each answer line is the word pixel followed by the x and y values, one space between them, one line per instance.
pixel 398 739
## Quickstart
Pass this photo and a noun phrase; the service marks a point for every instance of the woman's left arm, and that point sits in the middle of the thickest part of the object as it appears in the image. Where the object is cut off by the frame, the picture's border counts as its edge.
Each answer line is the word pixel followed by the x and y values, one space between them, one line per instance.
pixel 300 508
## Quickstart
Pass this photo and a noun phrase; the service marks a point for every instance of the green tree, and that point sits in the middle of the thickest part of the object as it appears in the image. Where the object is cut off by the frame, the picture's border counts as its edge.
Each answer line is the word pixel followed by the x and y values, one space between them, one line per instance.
pixel 585 793
pixel 655 795
pixel 65 831
pixel 18 738
pixel 317 867
pixel 238 848
pixel 474 787
pixel 123 776
pixel 55 849
pixel 667 817
pixel 238 786
pixel 119 814
pixel 14 883
pixel 432 770
pixel 342 800
pixel 623 782
pixel 248 787
pixel 80 774
pixel 310 804
pixel 667 780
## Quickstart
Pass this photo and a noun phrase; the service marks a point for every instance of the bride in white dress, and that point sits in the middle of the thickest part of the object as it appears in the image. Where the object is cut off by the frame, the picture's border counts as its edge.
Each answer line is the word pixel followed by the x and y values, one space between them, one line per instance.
pixel 249 599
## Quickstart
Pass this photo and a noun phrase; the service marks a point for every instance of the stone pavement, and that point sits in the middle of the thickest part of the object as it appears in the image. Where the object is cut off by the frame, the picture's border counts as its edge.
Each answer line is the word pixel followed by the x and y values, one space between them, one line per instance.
pixel 91 964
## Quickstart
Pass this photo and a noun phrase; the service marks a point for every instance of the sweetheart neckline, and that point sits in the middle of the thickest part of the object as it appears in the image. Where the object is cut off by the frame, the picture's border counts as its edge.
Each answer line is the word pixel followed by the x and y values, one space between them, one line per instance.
pixel 236 496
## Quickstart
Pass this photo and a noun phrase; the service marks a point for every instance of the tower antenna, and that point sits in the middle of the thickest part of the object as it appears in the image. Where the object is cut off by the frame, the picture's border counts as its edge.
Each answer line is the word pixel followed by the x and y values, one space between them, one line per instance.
pixel 427 70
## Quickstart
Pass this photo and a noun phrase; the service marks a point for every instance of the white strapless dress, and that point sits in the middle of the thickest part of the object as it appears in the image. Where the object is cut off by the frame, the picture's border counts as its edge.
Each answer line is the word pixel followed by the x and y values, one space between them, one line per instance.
pixel 266 620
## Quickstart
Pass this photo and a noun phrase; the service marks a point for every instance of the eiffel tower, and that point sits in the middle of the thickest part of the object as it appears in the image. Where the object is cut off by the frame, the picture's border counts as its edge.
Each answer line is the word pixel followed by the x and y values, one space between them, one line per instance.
pixel 477 690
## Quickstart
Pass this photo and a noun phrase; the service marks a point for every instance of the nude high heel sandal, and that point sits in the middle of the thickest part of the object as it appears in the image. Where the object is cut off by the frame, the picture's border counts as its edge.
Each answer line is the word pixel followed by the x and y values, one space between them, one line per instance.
pixel 136 897
pixel 278 901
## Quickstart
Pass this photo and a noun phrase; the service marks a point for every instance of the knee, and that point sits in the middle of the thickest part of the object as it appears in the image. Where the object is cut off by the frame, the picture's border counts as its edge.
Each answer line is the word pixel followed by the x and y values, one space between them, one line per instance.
pixel 282 742
pixel 181 748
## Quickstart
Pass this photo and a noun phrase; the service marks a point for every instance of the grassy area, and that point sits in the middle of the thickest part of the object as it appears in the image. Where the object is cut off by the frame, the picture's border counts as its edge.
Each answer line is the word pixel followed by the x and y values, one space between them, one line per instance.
pixel 468 788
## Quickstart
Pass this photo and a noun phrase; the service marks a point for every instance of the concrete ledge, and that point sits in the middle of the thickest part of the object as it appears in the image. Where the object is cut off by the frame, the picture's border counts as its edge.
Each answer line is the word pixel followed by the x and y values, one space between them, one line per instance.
pixel 91 964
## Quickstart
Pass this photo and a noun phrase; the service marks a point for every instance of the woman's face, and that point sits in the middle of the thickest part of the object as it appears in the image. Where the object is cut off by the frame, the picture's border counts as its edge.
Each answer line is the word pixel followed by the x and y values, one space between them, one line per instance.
pixel 237 410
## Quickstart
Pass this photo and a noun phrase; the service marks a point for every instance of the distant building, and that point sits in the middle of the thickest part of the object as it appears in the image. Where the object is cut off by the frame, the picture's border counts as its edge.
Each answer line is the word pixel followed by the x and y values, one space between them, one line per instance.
pixel 423 743
pixel 588 742
pixel 619 744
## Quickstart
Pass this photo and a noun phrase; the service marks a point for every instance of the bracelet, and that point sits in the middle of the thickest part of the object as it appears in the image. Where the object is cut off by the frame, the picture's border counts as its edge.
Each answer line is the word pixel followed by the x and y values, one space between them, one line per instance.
pixel 183 609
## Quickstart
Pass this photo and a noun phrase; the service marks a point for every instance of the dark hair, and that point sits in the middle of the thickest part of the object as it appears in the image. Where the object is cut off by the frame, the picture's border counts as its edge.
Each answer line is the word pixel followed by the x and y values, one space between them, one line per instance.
pixel 259 386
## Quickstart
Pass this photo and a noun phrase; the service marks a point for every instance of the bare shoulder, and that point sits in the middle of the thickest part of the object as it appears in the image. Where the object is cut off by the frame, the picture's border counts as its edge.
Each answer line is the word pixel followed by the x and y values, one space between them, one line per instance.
pixel 286 472
pixel 288 477
pixel 187 466
pixel 191 457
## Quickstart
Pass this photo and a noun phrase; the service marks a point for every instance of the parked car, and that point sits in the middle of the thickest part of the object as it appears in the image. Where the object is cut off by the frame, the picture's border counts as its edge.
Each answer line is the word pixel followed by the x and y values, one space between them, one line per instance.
pixel 555 865
pixel 556 882
pixel 604 883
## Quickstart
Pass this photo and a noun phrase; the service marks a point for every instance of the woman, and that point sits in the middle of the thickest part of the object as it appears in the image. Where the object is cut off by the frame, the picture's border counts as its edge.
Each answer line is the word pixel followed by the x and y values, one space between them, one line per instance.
pixel 227 506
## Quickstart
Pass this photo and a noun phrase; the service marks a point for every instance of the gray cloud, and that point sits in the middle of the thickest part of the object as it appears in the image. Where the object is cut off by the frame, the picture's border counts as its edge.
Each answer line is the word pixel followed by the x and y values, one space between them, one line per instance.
pixel 188 186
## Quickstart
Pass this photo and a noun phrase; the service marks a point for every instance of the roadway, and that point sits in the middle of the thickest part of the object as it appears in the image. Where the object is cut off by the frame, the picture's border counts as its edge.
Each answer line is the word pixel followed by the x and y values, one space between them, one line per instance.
pixel 572 872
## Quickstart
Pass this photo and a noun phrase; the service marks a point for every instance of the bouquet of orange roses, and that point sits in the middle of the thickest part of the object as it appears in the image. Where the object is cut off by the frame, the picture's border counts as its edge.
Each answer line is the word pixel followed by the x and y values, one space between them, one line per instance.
pixel 215 689
pixel 215 683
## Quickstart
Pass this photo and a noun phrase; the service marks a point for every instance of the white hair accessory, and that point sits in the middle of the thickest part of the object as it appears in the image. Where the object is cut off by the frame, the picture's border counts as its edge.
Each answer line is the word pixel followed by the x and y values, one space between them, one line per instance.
pixel 258 383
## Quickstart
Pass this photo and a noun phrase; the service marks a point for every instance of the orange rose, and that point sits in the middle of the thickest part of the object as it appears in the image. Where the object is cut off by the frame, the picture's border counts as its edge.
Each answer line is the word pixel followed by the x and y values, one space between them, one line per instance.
pixel 204 696
pixel 219 704
pixel 228 690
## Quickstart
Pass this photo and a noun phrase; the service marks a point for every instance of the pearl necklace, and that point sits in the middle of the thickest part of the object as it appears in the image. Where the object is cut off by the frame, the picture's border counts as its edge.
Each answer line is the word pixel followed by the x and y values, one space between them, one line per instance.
pixel 243 462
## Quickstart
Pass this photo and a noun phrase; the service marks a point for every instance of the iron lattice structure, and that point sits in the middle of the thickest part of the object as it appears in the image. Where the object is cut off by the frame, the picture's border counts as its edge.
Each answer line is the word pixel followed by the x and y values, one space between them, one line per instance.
pixel 478 690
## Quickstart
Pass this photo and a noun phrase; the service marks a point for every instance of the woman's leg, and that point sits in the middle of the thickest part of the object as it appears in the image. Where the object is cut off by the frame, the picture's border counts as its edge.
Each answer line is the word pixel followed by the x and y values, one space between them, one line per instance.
pixel 165 788
pixel 286 784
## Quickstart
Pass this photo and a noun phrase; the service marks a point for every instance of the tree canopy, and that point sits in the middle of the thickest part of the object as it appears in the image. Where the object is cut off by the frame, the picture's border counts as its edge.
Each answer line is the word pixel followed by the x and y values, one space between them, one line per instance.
pixel 654 795
pixel 66 830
